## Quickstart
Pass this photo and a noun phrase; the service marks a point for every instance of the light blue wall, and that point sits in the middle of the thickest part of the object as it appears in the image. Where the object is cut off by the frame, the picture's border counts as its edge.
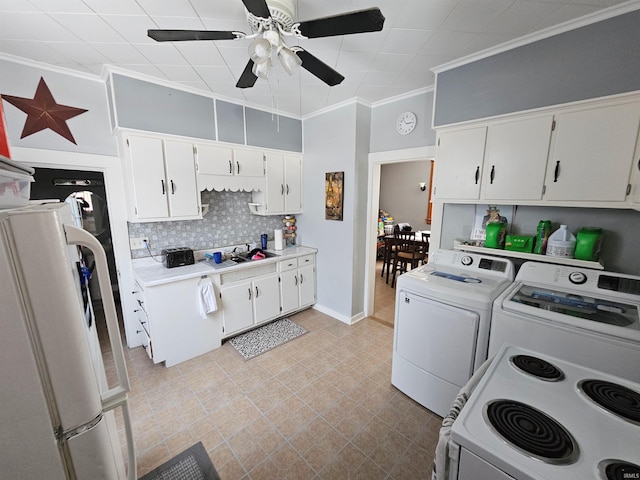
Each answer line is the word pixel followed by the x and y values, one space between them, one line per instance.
pixel 384 136
pixel 592 61
pixel 91 130
pixel 330 146
pixel 148 106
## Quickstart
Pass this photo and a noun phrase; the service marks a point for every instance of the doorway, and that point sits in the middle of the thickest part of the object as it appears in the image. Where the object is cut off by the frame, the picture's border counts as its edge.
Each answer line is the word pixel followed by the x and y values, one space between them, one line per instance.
pixel 376 160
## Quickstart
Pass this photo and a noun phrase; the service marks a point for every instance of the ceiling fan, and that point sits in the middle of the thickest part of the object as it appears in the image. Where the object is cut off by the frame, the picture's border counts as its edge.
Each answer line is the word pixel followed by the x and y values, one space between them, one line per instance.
pixel 271 21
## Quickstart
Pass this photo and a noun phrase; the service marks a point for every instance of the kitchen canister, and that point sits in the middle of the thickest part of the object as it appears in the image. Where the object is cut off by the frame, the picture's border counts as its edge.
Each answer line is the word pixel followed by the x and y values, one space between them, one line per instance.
pixel 588 244
pixel 495 235
pixel 561 243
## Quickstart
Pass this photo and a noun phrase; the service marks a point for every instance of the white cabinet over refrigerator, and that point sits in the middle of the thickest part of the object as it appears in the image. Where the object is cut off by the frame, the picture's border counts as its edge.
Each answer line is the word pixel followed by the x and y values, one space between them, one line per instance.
pixel 57 411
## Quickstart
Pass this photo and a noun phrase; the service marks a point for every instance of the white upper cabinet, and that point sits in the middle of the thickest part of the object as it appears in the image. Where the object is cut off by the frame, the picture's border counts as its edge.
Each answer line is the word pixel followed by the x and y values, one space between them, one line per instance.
pixel 283 191
pixel 161 179
pixel 566 156
pixel 458 167
pixel 222 167
pixel 593 153
pixel 515 159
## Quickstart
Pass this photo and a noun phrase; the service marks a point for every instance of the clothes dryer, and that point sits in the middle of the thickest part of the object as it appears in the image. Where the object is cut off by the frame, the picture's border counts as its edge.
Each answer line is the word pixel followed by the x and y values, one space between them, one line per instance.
pixel 442 321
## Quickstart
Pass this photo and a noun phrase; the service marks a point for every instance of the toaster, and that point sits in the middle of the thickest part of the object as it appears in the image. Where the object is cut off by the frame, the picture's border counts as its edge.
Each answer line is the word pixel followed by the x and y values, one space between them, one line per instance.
pixel 177 257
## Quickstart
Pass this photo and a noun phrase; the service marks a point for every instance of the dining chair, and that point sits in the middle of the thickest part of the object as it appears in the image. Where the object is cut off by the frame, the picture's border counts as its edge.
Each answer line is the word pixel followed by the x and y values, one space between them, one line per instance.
pixel 425 247
pixel 408 252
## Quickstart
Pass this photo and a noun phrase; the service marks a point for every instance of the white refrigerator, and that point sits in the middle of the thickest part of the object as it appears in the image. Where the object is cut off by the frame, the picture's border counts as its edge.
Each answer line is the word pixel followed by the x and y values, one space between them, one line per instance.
pixel 57 408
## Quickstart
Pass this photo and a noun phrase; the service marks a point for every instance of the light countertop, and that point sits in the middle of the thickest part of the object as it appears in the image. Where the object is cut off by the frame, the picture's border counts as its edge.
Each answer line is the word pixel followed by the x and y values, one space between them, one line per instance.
pixel 149 271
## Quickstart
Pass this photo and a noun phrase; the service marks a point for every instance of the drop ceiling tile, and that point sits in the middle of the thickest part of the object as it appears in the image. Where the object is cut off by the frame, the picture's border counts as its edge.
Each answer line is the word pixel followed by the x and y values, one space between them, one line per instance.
pixel 380 79
pixel 168 8
pixel 484 41
pixel 116 7
pixel 233 56
pixel 227 10
pixel 355 60
pixel 61 6
pixel 365 42
pixel 80 52
pixel 36 50
pixel 200 53
pixel 405 40
pixel 391 61
pixel 522 17
pixel 180 73
pixel 131 27
pixel 89 28
pixel 474 15
pixel 41 27
pixel 162 54
pixel 447 43
pixel 566 13
pixel 427 15
pixel 119 52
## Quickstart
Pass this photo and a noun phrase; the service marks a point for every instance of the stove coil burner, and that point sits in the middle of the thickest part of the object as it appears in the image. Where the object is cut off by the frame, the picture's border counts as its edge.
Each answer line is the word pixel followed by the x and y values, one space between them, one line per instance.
pixel 531 431
pixel 537 367
pixel 614 398
pixel 618 470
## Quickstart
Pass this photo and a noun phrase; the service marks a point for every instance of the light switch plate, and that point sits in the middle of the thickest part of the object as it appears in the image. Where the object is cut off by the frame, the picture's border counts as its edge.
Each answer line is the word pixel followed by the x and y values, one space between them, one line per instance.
pixel 138 243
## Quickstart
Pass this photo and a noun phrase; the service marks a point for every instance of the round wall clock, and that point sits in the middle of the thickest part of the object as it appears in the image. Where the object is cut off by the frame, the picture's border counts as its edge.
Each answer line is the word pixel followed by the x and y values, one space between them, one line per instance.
pixel 406 123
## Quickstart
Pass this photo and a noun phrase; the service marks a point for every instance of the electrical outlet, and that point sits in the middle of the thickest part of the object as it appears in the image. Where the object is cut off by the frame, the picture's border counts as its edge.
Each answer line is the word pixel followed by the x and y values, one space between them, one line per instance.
pixel 138 243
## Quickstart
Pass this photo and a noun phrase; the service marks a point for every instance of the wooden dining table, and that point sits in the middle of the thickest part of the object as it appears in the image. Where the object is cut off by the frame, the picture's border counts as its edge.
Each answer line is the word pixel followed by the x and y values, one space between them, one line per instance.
pixel 386 256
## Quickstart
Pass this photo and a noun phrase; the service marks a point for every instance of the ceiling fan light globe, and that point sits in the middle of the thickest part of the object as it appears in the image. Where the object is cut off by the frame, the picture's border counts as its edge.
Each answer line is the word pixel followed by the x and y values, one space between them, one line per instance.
pixel 259 50
pixel 290 60
pixel 262 70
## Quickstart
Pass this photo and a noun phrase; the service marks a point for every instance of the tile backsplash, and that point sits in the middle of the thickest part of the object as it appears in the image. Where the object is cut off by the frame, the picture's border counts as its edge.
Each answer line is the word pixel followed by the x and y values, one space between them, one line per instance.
pixel 228 222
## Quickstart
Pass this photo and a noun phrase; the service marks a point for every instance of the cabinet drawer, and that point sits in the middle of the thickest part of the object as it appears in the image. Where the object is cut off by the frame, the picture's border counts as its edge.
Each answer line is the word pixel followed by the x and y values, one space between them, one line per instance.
pixel 290 264
pixel 145 341
pixel 306 260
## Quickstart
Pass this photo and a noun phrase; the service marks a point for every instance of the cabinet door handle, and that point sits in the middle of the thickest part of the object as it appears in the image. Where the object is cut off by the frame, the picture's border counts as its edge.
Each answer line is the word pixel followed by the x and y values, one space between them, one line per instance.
pixel 249 289
pixel 173 188
pixel 237 167
pixel 281 189
pixel 230 167
pixel 477 174
pixel 257 292
pixel 296 280
pixel 301 279
pixel 162 182
pixel 287 189
pixel 493 173
pixel 556 171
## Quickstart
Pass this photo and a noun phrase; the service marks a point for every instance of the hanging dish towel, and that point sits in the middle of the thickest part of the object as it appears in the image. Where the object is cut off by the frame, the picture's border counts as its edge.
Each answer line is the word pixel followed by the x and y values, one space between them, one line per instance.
pixel 207 296
pixel 441 463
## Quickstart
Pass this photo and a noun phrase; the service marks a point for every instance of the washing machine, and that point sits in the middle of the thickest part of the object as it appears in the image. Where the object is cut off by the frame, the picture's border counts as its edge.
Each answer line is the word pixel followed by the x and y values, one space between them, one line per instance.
pixel 442 321
pixel 590 317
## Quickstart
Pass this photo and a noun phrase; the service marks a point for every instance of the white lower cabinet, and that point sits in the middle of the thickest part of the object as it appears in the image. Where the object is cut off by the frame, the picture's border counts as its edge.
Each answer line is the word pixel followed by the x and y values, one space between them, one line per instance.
pixel 174 331
pixel 249 303
pixel 297 283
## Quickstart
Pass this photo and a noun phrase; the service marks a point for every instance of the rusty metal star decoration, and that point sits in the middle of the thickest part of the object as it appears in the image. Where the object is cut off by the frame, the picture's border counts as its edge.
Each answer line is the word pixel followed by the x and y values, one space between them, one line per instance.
pixel 43 112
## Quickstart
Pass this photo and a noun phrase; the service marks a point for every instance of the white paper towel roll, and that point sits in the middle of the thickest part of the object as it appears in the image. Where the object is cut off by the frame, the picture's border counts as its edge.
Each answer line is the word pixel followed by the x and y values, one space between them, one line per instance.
pixel 278 239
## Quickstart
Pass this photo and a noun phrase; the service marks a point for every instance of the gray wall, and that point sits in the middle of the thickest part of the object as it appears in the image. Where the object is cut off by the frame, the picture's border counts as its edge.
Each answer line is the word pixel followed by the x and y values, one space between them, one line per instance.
pixel 228 222
pixel 621 228
pixel 91 130
pixel 335 240
pixel 400 195
pixel 156 108
pixel 592 61
pixel 384 136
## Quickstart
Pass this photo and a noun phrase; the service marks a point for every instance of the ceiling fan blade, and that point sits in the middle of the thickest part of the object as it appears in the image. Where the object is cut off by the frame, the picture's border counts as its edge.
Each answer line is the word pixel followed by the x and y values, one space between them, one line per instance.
pixel 258 7
pixel 247 79
pixel 317 67
pixel 361 21
pixel 185 35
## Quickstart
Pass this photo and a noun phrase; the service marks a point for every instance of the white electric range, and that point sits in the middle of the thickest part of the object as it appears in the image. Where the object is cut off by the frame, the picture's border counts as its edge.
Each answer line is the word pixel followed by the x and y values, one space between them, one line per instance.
pixel 534 417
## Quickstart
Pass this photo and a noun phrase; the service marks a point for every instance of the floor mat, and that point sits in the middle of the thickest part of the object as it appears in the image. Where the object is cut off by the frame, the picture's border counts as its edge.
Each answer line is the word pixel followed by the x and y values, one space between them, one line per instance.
pixel 256 342
pixel 192 464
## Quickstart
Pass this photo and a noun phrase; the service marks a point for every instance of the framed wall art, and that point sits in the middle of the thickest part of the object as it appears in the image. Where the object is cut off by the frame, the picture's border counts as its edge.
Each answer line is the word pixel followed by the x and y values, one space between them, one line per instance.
pixel 334 195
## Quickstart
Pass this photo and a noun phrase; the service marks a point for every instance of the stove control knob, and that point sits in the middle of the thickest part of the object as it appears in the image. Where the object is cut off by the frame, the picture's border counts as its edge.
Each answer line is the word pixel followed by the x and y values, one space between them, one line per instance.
pixel 466 260
pixel 577 278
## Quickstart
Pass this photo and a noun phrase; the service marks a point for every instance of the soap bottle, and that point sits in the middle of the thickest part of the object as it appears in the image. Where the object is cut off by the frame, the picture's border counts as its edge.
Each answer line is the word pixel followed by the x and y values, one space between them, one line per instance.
pixel 561 243
pixel 544 230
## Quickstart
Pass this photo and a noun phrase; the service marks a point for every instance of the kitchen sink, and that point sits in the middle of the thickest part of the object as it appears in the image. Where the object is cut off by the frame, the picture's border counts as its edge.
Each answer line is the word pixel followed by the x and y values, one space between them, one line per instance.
pixel 245 257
